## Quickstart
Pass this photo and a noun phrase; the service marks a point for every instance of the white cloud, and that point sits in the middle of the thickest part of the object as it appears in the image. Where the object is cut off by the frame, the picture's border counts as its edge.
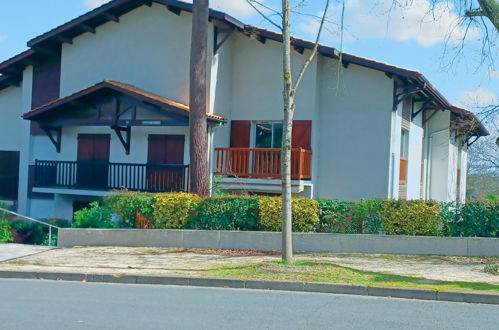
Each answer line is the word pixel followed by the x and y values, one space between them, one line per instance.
pixel 95 3
pixel 477 97
pixel 3 37
pixel 417 21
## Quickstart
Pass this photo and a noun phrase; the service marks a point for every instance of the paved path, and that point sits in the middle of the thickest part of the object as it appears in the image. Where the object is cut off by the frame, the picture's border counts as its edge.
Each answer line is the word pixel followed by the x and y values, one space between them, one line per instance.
pixel 11 251
pixel 26 304
pixel 174 261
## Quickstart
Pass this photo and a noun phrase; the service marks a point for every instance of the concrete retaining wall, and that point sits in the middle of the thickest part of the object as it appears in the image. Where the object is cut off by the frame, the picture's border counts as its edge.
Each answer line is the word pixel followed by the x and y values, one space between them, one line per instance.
pixel 303 242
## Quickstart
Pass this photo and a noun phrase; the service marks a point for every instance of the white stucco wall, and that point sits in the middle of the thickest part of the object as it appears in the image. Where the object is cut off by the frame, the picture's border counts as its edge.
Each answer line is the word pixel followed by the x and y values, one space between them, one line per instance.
pixel 355 132
pixel 148 48
pixel 43 149
pixel 438 163
pixel 27 86
pixel 11 123
pixel 416 133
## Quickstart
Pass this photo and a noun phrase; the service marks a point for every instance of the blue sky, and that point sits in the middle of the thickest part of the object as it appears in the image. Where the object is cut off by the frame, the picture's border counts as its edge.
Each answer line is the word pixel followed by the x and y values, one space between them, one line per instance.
pixel 408 38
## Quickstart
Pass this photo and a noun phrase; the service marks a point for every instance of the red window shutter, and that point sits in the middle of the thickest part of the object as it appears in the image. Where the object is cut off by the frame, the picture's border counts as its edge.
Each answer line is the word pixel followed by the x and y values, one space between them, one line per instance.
pixel 240 132
pixel 302 134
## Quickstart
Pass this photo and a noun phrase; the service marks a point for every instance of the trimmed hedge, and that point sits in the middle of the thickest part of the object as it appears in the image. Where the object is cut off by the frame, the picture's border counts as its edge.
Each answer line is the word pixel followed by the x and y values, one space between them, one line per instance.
pixel 174 210
pixel 400 217
pixel 392 217
pixel 305 214
pixel 227 213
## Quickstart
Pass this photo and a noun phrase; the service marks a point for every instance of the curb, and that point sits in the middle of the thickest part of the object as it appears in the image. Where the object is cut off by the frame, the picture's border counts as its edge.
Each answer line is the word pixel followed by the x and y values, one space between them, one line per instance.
pixel 316 287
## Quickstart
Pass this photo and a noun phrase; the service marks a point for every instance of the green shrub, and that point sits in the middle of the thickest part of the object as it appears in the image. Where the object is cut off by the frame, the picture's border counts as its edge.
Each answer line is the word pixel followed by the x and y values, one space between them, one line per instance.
pixel 5 232
pixel 128 205
pixel 305 214
pixel 95 216
pixel 367 214
pixel 336 217
pixel 410 217
pixel 174 210
pixel 475 219
pixel 227 213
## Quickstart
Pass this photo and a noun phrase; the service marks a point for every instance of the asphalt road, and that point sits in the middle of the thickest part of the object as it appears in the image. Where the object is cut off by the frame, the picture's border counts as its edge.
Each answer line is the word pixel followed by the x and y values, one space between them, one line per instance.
pixel 26 304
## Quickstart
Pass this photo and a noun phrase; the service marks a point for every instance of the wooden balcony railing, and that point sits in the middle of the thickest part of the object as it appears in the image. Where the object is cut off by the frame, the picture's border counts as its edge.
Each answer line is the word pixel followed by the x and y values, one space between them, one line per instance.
pixel 264 163
pixel 93 175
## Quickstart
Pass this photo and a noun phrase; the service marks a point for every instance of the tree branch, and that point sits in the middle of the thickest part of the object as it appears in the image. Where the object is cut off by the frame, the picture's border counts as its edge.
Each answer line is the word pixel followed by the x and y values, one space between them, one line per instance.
pixel 265 17
pixel 314 50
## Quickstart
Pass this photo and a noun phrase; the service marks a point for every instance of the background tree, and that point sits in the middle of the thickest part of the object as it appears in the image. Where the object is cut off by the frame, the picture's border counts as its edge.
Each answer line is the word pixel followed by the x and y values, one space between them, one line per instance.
pixel 199 171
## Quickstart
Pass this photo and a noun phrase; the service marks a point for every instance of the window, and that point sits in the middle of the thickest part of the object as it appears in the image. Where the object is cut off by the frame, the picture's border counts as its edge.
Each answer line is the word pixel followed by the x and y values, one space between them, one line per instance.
pixel 404 144
pixel 404 153
pixel 268 135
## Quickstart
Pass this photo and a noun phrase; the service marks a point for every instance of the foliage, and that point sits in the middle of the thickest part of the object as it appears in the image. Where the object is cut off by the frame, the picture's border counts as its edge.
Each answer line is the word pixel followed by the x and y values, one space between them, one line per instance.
pixel 336 217
pixel 305 214
pixel 492 269
pixel 478 218
pixel 410 217
pixel 95 216
pixel 227 213
pixel 174 210
pixel 5 232
pixel 131 205
pixel 367 214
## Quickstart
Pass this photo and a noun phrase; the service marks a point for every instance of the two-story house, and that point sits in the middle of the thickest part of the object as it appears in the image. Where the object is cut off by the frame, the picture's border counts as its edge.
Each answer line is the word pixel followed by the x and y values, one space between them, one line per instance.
pixel 101 103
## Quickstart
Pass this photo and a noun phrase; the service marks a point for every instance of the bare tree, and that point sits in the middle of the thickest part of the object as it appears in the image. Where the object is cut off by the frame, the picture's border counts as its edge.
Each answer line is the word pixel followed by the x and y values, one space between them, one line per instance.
pixel 489 9
pixel 289 93
pixel 199 171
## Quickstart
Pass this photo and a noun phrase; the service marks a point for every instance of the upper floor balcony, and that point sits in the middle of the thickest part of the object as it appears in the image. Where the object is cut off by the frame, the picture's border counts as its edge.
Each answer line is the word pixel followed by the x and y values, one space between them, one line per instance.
pixel 262 163
pixel 106 176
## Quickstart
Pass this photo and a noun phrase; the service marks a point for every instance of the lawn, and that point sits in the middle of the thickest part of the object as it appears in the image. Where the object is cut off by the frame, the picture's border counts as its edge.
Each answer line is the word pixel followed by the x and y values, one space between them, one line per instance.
pixel 325 271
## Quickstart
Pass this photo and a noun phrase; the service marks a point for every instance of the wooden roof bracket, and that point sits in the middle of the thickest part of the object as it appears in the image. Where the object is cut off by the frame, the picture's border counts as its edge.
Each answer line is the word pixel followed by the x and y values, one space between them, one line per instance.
pixel 468 143
pixel 405 93
pixel 55 136
pixel 221 35
pixel 426 106
pixel 125 140
pixel 427 119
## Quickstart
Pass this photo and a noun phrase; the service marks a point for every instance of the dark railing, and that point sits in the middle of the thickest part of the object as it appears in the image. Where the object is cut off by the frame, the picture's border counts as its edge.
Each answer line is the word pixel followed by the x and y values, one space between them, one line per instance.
pixel 94 175
pixel 262 163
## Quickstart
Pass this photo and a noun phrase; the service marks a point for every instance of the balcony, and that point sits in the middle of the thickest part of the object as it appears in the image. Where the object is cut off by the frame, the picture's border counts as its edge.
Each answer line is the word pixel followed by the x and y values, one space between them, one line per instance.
pixel 105 176
pixel 262 163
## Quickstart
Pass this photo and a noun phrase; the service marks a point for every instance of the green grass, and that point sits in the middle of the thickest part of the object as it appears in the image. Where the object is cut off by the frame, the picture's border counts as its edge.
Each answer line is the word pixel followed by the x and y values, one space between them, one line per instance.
pixel 325 271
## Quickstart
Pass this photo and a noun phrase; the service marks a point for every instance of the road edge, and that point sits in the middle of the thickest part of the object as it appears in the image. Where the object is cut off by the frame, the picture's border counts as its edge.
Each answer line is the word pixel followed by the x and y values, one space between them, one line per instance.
pixel 316 287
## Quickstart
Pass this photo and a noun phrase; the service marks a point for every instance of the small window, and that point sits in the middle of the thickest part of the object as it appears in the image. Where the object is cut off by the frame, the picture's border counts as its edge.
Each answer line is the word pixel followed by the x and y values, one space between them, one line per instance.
pixel 404 144
pixel 268 135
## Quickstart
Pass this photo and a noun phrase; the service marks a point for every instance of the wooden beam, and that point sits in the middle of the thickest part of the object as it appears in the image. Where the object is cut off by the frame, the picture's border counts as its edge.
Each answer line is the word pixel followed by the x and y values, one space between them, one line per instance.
pixel 175 10
pixel 55 136
pixel 87 28
pixel 299 49
pixel 46 51
pixel 64 39
pixel 111 17
pixel 217 41
pixel 125 140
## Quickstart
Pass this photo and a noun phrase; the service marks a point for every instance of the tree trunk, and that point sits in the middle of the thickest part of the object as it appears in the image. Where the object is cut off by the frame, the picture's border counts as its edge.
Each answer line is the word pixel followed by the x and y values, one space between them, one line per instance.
pixel 199 171
pixel 288 97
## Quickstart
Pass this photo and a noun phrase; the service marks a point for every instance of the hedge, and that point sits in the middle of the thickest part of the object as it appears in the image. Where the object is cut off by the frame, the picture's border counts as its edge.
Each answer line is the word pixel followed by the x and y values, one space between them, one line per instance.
pixel 377 216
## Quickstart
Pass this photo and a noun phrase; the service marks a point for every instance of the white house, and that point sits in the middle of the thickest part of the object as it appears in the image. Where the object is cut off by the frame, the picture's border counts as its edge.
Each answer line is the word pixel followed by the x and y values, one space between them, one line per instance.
pixel 101 103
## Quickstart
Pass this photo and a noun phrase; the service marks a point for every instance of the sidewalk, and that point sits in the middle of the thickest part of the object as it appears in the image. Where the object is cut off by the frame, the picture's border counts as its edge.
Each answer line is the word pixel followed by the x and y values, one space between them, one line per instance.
pixel 420 272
